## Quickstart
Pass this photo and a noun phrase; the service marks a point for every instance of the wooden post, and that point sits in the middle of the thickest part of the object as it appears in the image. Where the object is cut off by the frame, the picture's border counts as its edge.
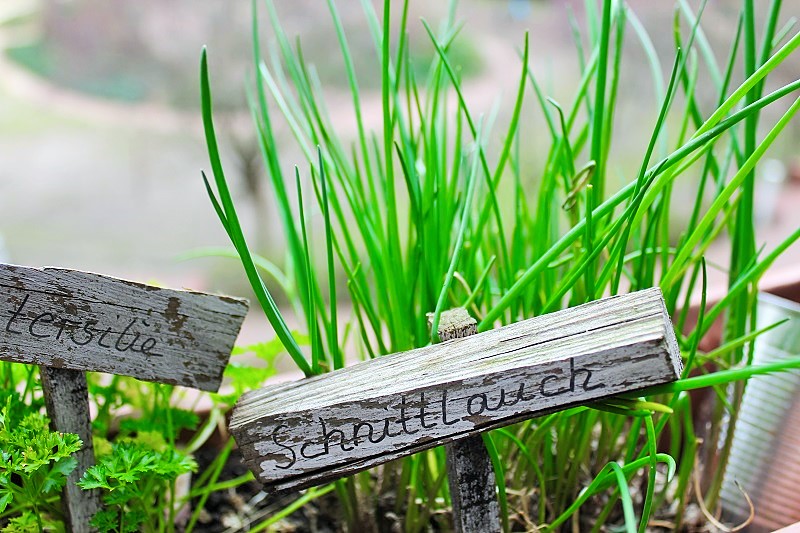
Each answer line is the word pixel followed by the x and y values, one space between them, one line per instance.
pixel 312 431
pixel 470 474
pixel 67 400
pixel 69 322
pixel 473 490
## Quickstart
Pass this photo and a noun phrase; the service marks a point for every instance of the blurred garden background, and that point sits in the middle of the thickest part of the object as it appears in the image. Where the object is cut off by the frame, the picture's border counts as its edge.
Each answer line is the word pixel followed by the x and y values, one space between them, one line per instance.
pixel 101 141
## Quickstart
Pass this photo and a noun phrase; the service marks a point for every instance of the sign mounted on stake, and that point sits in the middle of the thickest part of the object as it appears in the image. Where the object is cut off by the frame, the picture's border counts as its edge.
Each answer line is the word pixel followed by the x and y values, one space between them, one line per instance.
pixel 80 321
pixel 306 433
pixel 68 322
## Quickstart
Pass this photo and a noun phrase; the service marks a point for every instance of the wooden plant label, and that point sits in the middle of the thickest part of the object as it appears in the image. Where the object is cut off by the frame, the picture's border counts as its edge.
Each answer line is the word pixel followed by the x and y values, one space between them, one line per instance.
pixel 69 322
pixel 315 430
pixel 81 321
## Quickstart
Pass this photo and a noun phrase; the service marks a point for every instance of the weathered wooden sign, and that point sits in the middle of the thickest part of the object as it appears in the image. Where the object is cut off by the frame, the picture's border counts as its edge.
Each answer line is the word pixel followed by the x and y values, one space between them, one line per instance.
pixel 305 433
pixel 69 322
pixel 81 321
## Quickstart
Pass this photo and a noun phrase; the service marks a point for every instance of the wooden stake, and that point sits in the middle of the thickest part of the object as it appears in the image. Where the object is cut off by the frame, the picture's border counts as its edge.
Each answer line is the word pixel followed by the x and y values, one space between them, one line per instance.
pixel 67 400
pixel 473 490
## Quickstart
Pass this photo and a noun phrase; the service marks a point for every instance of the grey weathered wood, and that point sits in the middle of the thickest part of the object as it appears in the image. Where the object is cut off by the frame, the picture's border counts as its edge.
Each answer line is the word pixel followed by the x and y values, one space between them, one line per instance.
pixel 454 324
pixel 472 487
pixel 67 401
pixel 470 474
pixel 308 432
pixel 69 322
pixel 81 321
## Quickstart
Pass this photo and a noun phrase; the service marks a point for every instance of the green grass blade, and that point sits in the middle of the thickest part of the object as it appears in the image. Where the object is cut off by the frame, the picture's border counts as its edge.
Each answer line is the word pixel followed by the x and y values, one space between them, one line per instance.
pixel 309 496
pixel 715 354
pixel 333 333
pixel 500 478
pixel 226 203
pixel 722 377
pixel 687 369
pixel 606 479
pixel 598 118
pixel 625 497
pixel 749 276
pixel 748 84
pixel 652 443
pixel 493 204
pixel 465 216
pixel 261 262
pixel 311 317
pixel 514 123
pixel 680 264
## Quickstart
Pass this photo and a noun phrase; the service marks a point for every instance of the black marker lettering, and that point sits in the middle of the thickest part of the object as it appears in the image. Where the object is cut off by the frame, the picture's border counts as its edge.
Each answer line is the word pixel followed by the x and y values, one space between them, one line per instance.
pixel 38 319
pixel 422 413
pixel 147 347
pixel 551 377
pixel 311 443
pixel 87 329
pixel 293 460
pixel 501 402
pixel 386 431
pixel 64 322
pixel 122 335
pixel 359 425
pixel 327 437
pixel 303 451
pixel 482 397
pixel 15 314
pixel 404 418
pixel 521 393
pixel 588 372
pixel 103 336
pixel 444 410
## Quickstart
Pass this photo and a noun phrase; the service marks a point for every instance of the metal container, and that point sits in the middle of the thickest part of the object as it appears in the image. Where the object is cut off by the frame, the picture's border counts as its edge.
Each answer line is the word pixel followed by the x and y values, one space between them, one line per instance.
pixel 765 455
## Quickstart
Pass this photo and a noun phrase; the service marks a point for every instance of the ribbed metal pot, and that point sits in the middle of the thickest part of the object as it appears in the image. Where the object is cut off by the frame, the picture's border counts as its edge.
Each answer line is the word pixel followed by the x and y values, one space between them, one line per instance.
pixel 765 456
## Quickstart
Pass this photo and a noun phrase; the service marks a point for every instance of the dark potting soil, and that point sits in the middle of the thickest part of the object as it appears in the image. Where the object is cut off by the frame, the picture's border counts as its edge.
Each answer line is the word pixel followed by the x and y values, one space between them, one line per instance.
pixel 245 506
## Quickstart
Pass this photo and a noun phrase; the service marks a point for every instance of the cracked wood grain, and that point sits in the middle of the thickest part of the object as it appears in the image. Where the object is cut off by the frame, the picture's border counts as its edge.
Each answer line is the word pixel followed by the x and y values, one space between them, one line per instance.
pixel 312 431
pixel 81 321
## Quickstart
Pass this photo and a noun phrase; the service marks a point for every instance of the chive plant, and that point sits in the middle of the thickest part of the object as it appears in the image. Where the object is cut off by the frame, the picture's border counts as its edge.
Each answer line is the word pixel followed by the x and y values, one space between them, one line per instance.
pixel 420 215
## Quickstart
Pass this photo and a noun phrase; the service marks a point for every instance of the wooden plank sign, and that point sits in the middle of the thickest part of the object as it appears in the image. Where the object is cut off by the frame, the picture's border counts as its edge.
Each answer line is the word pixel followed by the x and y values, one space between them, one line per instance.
pixel 69 322
pixel 81 321
pixel 309 432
